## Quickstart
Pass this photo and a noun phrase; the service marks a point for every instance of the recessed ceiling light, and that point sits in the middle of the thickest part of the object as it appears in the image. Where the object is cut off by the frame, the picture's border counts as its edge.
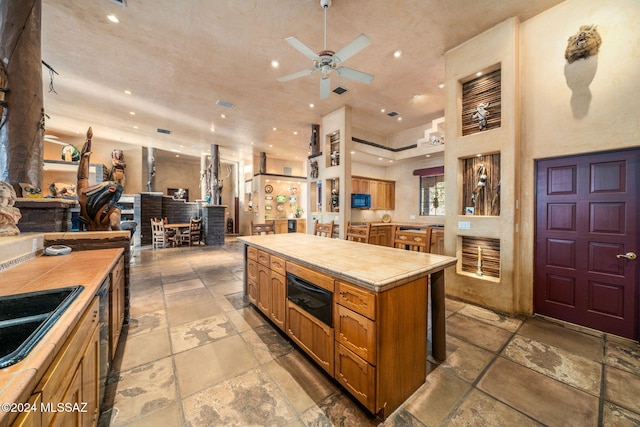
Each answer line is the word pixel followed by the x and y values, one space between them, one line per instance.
pixel 213 128
pixel 275 128
pixel 113 19
pixel 397 53
pixel 428 155
pixel 399 119
pixel 390 161
pixel 135 127
pixel 270 145
pixel 382 110
pixel 311 105
pixel 133 113
pixel 128 92
pixel 275 63
pixel 416 96
pixel 441 85
pixel 479 73
pixel 295 132
pixel 353 152
pixel 379 158
pixel 223 116
pixel 479 155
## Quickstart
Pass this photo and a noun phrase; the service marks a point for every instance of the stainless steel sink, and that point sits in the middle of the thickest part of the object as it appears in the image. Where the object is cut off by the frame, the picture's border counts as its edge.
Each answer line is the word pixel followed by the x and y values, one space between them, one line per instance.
pixel 25 318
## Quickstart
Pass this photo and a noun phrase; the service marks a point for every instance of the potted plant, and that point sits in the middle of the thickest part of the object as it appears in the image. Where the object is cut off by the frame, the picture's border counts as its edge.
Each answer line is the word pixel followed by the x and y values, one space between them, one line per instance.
pixel 299 211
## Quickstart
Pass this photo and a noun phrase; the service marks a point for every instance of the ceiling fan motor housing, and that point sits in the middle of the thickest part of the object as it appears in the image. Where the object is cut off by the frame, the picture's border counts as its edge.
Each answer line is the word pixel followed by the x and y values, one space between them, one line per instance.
pixel 325 3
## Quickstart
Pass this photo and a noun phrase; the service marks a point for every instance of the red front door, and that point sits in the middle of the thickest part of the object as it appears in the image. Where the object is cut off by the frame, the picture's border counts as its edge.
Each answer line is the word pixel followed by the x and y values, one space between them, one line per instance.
pixel 587 234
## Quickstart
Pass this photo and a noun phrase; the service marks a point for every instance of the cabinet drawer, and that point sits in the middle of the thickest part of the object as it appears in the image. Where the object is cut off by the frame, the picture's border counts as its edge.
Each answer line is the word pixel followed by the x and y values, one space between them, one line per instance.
pixel 357 333
pixel 277 265
pixel 357 299
pixel 252 253
pixel 264 258
pixel 319 279
pixel 357 376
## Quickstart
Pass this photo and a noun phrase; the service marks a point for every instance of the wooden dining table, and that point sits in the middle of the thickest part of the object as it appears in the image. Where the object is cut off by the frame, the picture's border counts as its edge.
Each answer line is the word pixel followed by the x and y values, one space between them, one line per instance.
pixel 177 227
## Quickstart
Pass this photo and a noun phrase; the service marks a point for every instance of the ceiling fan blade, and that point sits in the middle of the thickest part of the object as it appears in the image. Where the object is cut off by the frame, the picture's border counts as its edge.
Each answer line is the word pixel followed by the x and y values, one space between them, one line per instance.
pixel 355 46
pixel 325 87
pixel 352 74
pixel 301 47
pixel 296 75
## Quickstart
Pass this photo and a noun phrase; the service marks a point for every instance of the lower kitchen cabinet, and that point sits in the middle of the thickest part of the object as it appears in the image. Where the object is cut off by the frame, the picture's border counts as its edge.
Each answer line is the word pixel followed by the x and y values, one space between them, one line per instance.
pixel 73 377
pixel 278 299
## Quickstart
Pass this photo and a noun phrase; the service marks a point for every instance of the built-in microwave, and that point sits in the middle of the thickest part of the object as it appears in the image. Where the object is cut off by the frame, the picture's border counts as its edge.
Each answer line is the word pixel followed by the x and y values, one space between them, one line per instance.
pixel 360 201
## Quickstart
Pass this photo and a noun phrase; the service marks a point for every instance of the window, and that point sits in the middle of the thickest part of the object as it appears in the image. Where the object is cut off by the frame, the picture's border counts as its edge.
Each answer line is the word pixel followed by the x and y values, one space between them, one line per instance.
pixel 432 195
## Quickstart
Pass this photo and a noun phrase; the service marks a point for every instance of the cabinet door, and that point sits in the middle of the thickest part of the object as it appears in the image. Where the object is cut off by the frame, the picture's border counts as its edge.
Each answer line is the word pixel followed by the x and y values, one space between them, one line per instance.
pixel 373 190
pixel 252 270
pixel 357 333
pixel 357 376
pixel 278 298
pixel 281 227
pixel 264 289
pixel 91 380
pixel 390 195
pixel 252 291
pixel 31 418
pixel 313 336
pixel 73 397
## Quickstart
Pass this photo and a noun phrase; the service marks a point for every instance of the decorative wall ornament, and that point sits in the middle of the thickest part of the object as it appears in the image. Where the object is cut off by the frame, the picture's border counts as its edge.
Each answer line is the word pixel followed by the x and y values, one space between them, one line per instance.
pixel 117 167
pixel 98 203
pixel 9 215
pixel 482 181
pixel 583 44
pixel 481 115
pixel 313 173
pixel 70 153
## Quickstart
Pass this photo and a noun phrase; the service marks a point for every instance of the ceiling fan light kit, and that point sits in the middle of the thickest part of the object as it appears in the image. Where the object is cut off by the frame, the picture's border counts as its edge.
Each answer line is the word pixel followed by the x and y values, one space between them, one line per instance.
pixel 327 61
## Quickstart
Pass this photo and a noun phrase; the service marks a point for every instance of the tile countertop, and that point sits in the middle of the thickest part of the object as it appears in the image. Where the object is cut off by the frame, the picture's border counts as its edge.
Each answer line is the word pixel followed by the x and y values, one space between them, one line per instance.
pixel 374 267
pixel 87 268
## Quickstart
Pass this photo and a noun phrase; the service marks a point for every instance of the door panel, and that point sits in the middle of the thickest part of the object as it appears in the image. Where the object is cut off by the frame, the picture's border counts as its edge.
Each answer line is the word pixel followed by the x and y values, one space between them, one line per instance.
pixel 586 215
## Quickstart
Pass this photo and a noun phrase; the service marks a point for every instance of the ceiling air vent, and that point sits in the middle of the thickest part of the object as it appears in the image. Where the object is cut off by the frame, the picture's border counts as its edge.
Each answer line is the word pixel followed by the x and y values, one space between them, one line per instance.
pixel 120 2
pixel 339 90
pixel 392 113
pixel 224 103
pixel 165 131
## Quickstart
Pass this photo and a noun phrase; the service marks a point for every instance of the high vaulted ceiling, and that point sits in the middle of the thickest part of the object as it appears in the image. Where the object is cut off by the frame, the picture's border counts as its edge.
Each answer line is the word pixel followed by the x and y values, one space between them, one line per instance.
pixel 179 57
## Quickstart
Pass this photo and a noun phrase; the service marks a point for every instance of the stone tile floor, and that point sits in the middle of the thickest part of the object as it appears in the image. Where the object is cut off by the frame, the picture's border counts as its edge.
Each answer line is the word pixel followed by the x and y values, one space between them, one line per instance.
pixel 196 354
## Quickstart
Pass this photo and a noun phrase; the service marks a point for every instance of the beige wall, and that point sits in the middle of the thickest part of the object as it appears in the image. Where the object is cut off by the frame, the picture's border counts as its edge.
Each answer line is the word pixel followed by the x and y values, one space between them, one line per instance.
pixel 588 106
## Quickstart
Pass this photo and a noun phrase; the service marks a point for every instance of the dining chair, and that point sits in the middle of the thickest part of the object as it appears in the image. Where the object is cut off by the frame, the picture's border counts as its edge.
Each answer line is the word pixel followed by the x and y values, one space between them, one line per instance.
pixel 358 233
pixel 266 228
pixel 412 240
pixel 193 234
pixel 161 236
pixel 324 230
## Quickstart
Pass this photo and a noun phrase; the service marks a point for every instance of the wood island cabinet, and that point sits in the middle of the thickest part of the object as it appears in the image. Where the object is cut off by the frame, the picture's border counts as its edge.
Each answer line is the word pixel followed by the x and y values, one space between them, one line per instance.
pixel 377 346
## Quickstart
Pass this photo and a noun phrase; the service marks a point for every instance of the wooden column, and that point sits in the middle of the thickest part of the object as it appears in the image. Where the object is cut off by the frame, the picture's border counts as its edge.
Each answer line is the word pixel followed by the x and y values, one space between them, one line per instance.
pixel 22 123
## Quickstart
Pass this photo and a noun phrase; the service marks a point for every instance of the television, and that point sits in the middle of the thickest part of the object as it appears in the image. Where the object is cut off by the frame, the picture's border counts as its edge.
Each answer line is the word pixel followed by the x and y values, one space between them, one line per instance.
pixel 360 201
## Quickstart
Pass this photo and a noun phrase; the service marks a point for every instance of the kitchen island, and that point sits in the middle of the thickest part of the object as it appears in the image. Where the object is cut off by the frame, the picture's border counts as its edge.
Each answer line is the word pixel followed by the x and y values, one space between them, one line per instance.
pixel 362 315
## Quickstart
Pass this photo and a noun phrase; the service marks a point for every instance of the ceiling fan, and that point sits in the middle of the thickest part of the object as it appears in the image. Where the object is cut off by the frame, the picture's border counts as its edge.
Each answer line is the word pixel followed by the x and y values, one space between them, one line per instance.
pixel 327 61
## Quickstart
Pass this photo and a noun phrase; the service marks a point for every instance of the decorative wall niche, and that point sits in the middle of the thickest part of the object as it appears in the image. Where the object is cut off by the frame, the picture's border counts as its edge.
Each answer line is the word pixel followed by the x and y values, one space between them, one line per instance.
pixel 481 256
pixel 333 152
pixel 481 103
pixel 481 185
